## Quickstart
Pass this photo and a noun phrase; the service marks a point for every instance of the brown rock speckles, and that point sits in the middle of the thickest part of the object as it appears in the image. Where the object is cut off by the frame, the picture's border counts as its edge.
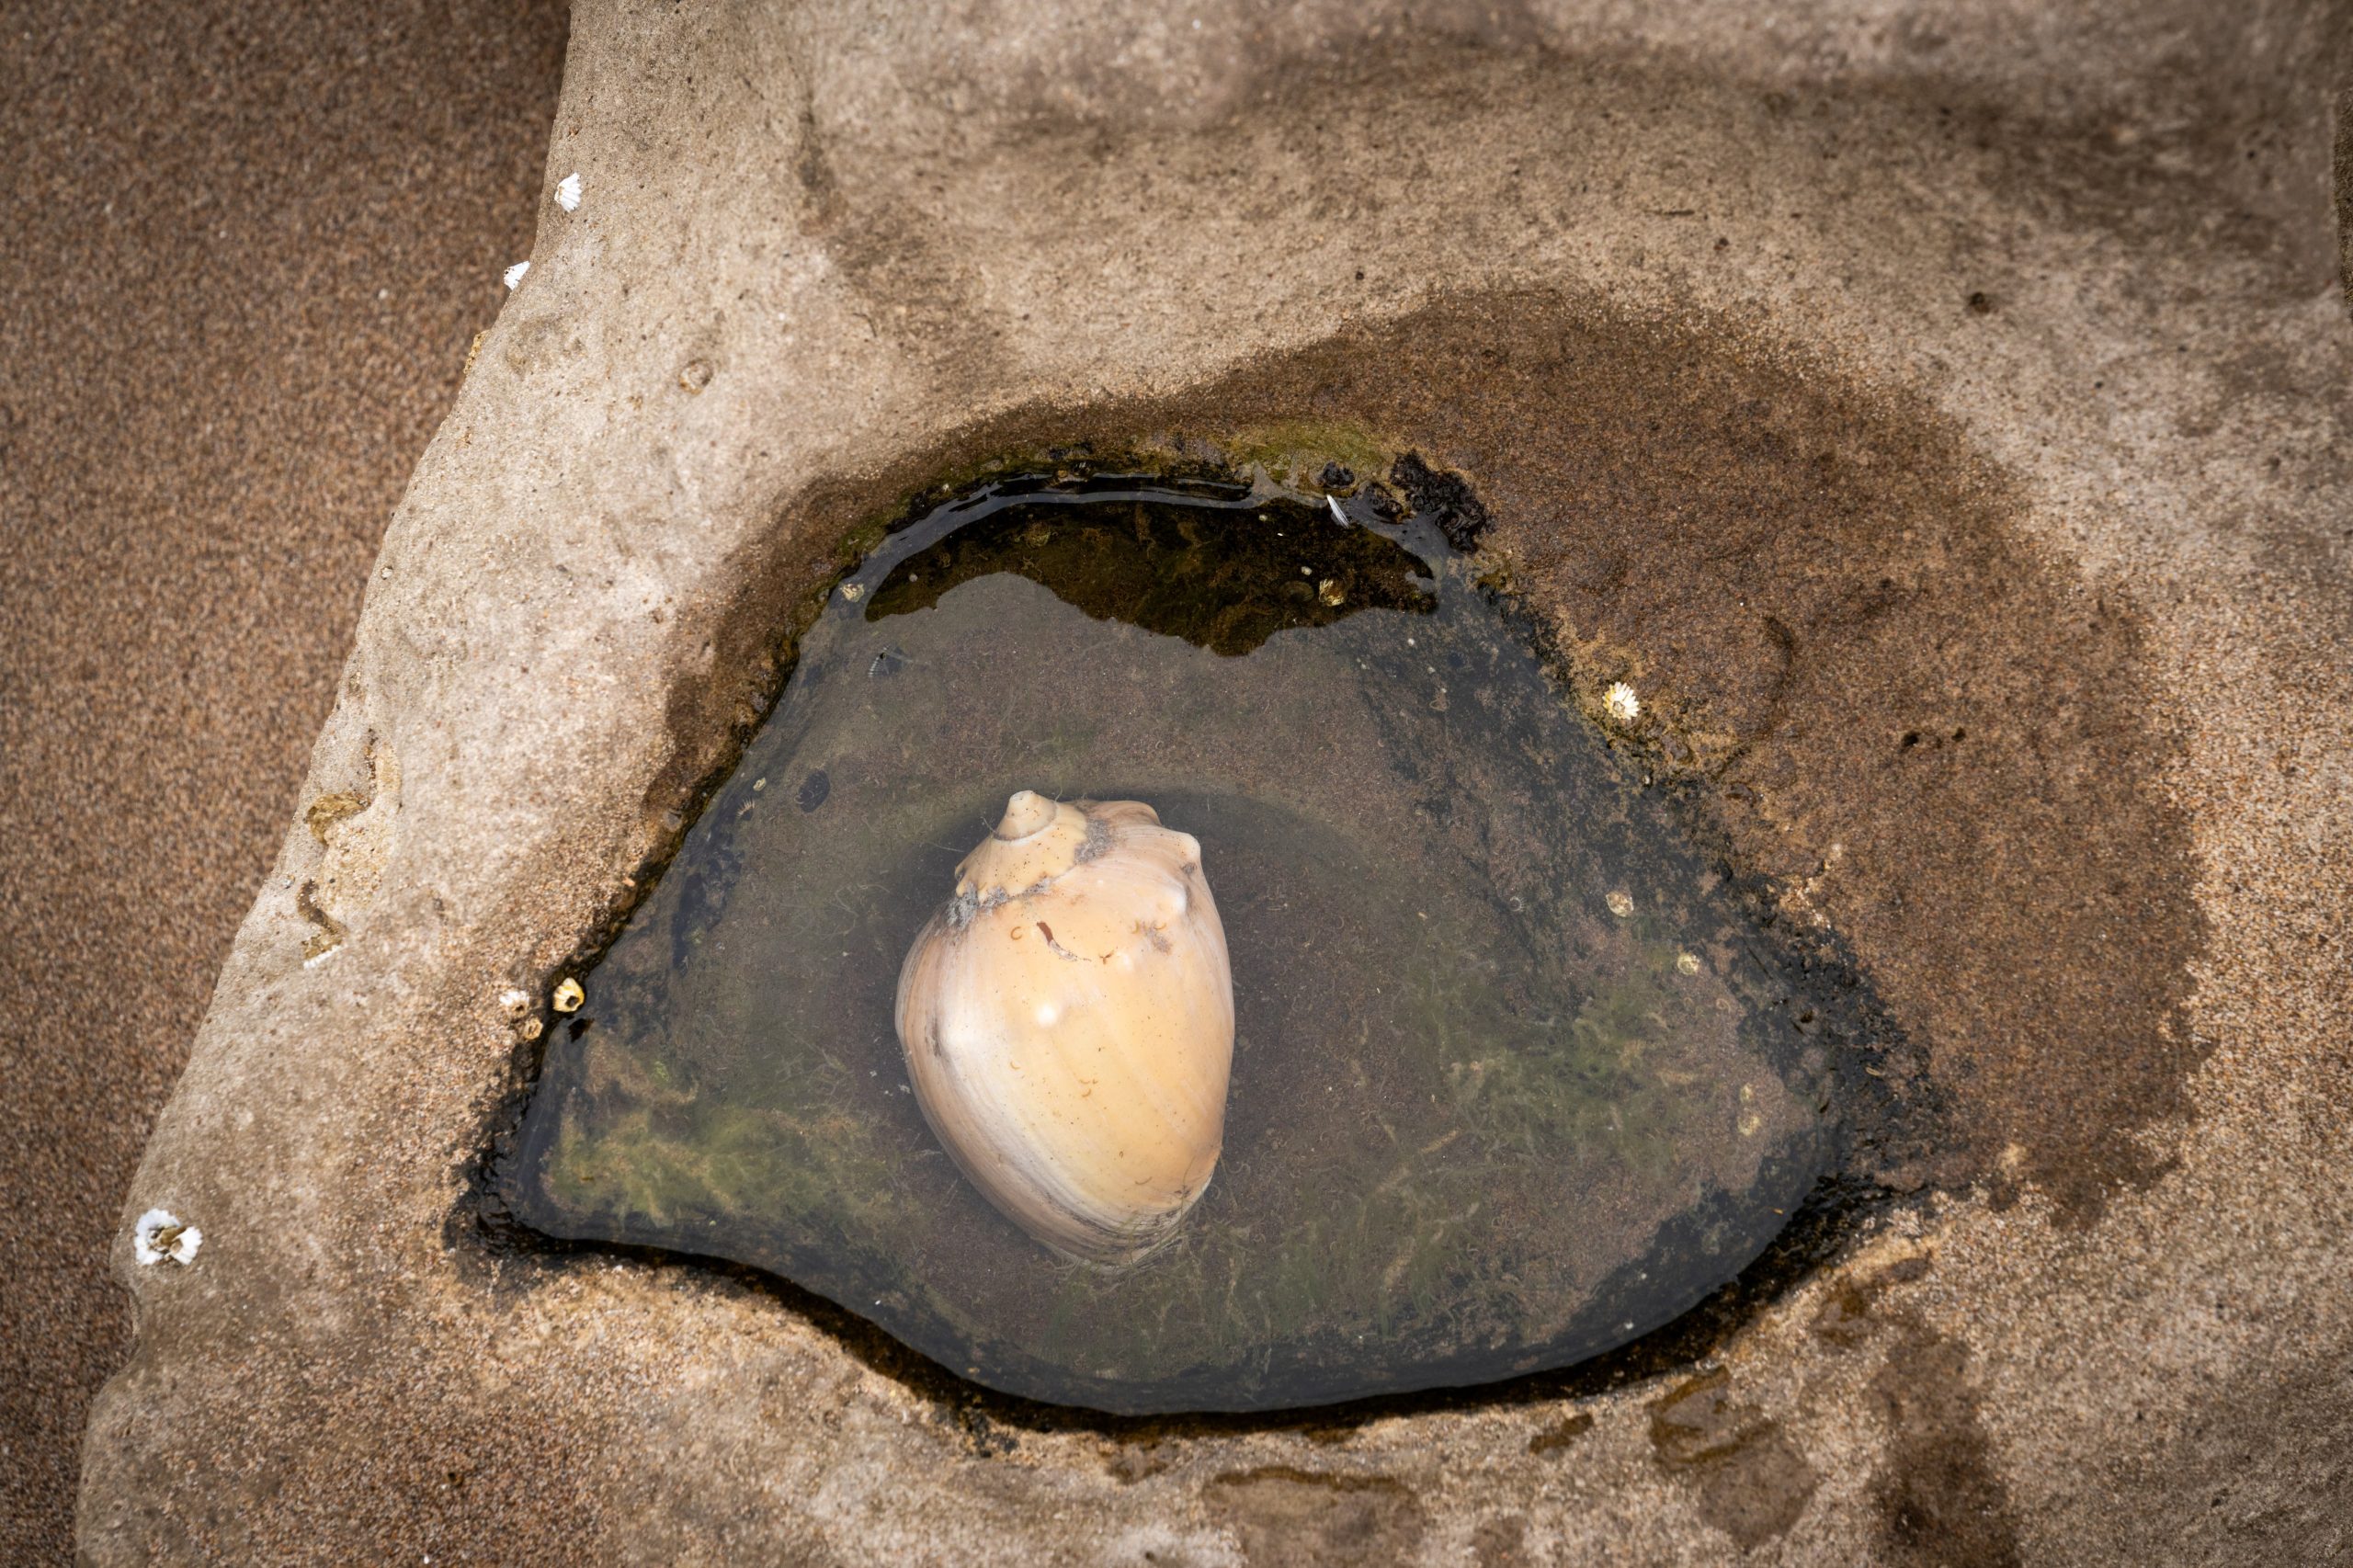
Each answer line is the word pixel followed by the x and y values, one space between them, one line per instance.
pixel 2241 1492
pixel 2343 171
pixel 1500 1542
pixel 455 1495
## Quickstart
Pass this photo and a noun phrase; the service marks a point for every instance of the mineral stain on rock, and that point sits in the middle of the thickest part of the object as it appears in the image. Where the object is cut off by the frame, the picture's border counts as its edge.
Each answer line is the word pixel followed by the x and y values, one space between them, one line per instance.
pixel 1561 1434
pixel 1281 1515
pixel 1941 1501
pixel 1517 1074
pixel 1751 1479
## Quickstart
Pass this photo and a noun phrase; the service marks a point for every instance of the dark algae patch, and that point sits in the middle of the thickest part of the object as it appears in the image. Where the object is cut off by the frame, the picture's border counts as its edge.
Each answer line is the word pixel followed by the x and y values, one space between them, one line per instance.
pixel 1519 1076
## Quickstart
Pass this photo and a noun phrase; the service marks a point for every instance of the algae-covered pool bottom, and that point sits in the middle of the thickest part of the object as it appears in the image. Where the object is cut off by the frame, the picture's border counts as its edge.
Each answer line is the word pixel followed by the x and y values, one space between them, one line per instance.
pixel 1516 1077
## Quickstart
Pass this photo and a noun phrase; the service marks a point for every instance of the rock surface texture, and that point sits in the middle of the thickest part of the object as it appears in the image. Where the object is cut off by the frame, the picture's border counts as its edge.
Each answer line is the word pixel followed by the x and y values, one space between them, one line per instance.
pixel 1936 415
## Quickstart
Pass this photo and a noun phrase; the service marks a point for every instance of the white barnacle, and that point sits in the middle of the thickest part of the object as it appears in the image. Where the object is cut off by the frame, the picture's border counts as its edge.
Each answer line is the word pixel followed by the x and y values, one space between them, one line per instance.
pixel 514 275
pixel 567 192
pixel 1623 705
pixel 159 1236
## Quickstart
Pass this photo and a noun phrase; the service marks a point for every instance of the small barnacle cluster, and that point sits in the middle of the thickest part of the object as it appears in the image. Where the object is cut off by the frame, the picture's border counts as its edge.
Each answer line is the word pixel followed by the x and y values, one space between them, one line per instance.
pixel 160 1236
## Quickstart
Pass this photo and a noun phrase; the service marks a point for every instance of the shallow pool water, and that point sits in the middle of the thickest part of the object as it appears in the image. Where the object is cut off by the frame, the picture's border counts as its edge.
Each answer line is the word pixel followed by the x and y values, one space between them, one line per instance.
pixel 1516 1077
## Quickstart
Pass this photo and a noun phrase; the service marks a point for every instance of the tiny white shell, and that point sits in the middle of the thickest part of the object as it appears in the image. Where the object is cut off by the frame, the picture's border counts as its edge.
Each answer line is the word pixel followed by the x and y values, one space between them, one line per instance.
pixel 1068 1024
pixel 514 275
pixel 567 193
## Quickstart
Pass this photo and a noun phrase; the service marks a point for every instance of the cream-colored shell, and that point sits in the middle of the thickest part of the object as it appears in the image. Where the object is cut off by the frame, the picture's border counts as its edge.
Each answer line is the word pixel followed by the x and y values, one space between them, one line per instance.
pixel 1068 1024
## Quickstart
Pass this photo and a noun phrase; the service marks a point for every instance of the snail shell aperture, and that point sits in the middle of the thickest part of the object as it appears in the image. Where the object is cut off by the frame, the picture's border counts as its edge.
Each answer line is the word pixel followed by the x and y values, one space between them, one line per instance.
pixel 1068 1024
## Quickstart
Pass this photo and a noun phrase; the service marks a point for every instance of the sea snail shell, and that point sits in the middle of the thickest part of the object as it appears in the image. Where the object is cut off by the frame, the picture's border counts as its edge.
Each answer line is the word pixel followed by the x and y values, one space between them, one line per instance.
pixel 1068 1024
